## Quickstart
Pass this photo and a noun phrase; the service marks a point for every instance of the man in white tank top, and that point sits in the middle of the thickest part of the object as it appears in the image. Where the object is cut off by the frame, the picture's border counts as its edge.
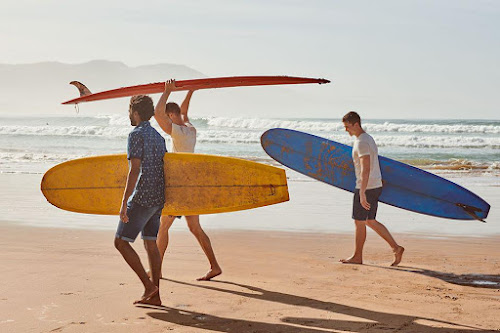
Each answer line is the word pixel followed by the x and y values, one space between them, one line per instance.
pixel 368 190
pixel 175 122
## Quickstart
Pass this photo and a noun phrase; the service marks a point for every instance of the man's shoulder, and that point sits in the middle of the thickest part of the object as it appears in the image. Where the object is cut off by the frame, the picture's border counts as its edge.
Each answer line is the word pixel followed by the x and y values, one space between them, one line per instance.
pixel 157 135
pixel 187 128
pixel 135 133
pixel 364 136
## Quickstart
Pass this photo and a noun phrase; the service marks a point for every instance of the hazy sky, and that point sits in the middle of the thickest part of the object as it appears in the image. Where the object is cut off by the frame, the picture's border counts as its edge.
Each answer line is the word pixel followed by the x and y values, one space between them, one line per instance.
pixel 399 59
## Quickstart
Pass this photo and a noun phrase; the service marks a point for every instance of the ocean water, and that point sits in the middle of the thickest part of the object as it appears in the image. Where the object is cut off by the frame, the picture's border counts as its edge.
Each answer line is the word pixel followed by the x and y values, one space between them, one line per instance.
pixel 467 151
pixel 34 144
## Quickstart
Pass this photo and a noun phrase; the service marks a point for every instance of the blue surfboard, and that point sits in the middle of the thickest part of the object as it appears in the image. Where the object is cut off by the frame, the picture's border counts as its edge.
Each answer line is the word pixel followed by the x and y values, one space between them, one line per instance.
pixel 404 186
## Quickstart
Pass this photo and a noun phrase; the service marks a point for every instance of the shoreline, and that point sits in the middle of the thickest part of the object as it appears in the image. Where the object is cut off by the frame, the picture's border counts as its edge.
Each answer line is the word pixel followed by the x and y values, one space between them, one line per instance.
pixel 181 227
pixel 314 207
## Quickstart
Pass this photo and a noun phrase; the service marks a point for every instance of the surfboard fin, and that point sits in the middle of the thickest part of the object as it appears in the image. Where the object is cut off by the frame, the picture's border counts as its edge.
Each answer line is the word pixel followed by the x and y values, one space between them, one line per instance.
pixel 84 91
pixel 471 211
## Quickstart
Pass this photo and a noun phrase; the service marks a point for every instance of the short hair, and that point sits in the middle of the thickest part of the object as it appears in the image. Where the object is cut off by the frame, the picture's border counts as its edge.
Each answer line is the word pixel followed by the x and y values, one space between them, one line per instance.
pixel 143 104
pixel 173 108
pixel 352 118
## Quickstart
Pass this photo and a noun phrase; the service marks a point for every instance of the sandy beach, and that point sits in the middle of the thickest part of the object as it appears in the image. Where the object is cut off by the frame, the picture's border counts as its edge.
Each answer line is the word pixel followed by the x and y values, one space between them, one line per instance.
pixel 69 280
pixel 61 272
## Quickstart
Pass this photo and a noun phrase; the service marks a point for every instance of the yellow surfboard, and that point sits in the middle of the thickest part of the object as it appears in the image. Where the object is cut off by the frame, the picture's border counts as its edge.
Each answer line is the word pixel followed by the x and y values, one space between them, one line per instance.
pixel 195 184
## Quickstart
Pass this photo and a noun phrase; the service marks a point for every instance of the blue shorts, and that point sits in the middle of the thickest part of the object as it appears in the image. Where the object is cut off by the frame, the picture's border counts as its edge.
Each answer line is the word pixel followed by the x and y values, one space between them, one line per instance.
pixel 140 219
pixel 361 214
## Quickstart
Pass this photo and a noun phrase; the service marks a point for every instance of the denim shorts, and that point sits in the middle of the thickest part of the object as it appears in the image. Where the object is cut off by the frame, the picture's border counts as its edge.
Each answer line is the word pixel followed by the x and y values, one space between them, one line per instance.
pixel 358 211
pixel 140 219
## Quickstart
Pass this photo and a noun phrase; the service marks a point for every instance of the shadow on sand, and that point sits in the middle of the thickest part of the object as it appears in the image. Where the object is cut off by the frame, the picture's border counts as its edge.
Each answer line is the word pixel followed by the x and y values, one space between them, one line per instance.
pixel 380 321
pixel 470 280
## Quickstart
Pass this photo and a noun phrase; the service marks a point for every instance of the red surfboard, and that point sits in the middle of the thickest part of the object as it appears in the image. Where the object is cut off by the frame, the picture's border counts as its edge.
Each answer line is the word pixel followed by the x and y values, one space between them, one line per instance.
pixel 210 83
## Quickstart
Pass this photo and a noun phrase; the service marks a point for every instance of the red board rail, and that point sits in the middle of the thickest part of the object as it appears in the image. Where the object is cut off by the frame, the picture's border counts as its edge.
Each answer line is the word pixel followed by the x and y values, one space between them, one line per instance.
pixel 196 84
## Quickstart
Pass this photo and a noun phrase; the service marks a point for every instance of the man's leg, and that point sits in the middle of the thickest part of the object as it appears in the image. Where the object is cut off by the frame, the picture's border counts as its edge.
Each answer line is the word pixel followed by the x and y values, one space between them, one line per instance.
pixel 134 262
pixel 195 227
pixel 382 231
pixel 162 241
pixel 357 257
pixel 154 266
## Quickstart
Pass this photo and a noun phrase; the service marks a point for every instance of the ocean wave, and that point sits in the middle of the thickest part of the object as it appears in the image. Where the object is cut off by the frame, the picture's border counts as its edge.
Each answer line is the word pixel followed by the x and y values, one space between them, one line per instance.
pixel 454 164
pixel 218 136
pixel 432 128
pixel 231 136
pixel 37 157
pixel 116 119
pixel 111 132
pixel 435 141
pixel 264 124
pixel 457 164
pixel 337 126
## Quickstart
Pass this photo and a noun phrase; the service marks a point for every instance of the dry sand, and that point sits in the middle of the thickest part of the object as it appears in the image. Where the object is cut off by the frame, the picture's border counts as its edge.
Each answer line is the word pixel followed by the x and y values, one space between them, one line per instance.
pixel 64 280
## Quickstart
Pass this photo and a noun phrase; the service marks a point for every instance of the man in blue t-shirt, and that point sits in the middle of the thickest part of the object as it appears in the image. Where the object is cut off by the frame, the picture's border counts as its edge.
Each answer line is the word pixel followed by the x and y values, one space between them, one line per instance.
pixel 144 197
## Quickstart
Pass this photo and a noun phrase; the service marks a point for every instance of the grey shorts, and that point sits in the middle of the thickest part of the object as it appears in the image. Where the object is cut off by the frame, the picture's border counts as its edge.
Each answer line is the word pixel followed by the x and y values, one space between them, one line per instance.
pixel 140 219
pixel 361 214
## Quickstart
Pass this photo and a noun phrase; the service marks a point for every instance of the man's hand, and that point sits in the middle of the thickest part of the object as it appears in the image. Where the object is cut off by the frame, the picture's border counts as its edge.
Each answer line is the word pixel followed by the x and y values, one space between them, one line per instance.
pixel 123 213
pixel 362 200
pixel 170 86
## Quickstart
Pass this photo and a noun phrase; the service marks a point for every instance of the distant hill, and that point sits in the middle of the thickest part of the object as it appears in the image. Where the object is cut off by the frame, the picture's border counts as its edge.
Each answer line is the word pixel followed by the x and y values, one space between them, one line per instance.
pixel 41 87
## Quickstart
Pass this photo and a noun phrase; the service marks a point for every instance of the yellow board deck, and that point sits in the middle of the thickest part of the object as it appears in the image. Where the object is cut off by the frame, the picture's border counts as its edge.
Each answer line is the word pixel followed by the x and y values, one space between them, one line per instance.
pixel 195 184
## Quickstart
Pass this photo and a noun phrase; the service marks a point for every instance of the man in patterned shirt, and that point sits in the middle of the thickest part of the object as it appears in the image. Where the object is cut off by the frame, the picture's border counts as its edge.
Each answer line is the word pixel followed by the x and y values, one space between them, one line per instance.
pixel 144 197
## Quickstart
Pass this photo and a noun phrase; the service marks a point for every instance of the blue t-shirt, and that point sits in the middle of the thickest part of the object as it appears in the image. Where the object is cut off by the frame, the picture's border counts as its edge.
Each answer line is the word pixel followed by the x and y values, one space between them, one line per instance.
pixel 145 143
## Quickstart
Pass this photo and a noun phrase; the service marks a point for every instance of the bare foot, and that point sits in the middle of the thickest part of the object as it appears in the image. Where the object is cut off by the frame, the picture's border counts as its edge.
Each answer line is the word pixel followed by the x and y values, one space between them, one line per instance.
pixel 148 294
pixel 352 260
pixel 398 255
pixel 210 275
pixel 153 300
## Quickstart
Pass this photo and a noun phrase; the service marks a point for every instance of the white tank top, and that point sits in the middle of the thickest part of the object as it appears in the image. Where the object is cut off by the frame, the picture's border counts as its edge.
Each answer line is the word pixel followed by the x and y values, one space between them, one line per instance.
pixel 183 138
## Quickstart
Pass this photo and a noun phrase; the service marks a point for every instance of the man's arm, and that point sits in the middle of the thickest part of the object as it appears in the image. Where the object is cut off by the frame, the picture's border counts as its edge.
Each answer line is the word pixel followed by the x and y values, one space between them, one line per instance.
pixel 185 106
pixel 365 175
pixel 133 174
pixel 161 117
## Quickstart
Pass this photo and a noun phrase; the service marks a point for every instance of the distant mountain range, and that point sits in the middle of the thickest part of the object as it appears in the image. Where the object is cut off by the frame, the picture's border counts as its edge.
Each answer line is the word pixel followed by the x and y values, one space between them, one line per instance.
pixel 41 87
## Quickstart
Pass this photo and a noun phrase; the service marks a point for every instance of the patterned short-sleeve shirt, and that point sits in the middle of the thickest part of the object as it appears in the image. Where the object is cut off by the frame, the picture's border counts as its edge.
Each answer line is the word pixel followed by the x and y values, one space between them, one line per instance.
pixel 145 143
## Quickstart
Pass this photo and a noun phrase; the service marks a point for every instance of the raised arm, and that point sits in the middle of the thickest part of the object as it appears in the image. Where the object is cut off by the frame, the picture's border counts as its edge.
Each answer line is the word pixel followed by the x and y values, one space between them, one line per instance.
pixel 161 117
pixel 185 106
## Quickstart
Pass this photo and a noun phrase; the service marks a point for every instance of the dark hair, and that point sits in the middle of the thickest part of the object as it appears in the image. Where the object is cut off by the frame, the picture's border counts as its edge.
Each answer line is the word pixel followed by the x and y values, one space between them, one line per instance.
pixel 173 108
pixel 143 104
pixel 352 118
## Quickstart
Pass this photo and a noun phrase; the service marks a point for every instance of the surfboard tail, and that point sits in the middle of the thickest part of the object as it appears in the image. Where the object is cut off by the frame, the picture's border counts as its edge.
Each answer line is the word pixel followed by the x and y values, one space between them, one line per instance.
pixel 472 211
pixel 84 91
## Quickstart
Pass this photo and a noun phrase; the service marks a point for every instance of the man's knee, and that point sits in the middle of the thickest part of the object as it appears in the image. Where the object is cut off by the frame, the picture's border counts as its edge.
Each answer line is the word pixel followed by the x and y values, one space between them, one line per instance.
pixel 195 229
pixel 164 227
pixel 119 243
pixel 150 245
pixel 371 223
pixel 166 222
pixel 360 223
